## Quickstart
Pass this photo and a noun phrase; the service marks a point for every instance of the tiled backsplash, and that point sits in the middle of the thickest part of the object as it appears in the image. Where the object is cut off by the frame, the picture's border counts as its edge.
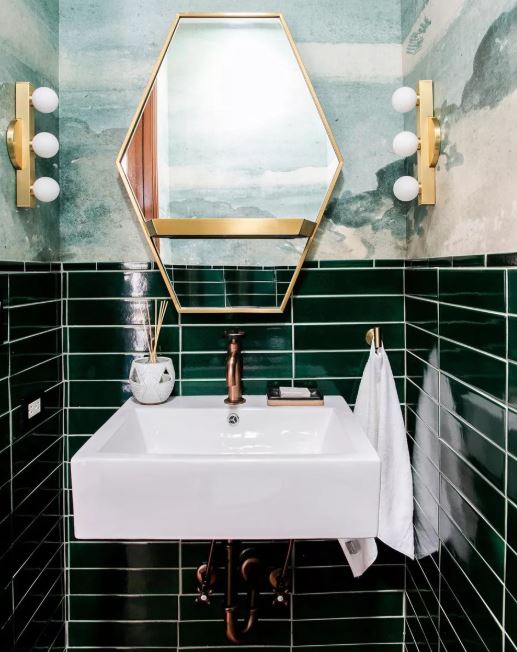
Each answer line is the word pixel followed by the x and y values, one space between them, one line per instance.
pixel 461 393
pixel 461 389
pixel 139 595
pixel 31 459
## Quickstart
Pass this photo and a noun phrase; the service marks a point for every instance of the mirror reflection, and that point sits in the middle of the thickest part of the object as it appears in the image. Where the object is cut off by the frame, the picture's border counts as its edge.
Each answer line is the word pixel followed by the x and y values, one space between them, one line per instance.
pixel 230 147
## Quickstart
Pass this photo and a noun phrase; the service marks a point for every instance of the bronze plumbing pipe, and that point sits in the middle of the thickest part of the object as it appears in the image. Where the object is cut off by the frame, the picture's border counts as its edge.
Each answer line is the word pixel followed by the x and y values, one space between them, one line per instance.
pixel 233 631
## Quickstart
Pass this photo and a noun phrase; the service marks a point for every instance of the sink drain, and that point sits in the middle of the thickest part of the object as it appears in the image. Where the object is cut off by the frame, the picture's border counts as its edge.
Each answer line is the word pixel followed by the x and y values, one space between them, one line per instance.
pixel 233 419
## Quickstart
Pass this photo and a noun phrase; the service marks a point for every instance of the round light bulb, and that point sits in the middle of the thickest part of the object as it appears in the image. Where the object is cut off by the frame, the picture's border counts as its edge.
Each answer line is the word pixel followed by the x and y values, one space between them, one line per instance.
pixel 45 189
pixel 405 143
pixel 45 100
pixel 404 99
pixel 45 145
pixel 406 188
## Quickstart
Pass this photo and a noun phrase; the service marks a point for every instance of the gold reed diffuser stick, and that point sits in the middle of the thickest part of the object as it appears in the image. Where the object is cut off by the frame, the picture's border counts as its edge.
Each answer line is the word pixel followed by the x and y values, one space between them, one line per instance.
pixel 152 331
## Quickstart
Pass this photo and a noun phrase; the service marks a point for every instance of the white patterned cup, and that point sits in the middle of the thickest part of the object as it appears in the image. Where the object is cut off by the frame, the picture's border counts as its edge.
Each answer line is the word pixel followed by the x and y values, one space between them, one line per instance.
pixel 152 382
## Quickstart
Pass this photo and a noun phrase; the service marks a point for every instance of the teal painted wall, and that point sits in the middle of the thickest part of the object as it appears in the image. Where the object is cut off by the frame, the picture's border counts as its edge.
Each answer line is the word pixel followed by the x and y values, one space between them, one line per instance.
pixel 29 39
pixel 352 53
pixel 469 49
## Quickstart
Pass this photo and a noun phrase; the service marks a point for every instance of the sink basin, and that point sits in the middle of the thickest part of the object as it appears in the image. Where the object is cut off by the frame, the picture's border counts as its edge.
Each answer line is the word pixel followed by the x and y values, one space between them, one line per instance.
pixel 195 468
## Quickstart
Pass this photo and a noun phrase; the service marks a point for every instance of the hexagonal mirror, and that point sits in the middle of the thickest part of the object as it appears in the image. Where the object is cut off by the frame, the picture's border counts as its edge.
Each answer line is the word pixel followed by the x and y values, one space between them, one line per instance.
pixel 229 162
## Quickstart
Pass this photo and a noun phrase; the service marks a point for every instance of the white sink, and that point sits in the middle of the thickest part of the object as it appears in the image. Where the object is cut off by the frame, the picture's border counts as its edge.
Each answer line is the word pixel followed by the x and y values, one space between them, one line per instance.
pixel 181 471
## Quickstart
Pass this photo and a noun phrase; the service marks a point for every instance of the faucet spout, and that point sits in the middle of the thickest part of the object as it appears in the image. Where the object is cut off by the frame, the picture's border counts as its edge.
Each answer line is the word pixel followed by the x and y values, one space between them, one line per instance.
pixel 234 369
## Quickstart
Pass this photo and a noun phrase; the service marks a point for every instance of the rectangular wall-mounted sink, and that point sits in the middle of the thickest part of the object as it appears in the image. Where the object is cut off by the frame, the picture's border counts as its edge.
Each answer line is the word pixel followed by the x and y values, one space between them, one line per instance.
pixel 195 468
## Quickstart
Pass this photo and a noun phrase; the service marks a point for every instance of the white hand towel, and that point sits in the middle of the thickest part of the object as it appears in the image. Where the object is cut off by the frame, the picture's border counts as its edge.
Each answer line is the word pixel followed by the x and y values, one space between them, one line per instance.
pixel 378 410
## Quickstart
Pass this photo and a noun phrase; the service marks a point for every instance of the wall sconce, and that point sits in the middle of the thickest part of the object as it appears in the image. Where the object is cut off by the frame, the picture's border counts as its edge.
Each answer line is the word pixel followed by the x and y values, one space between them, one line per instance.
pixel 23 145
pixel 426 143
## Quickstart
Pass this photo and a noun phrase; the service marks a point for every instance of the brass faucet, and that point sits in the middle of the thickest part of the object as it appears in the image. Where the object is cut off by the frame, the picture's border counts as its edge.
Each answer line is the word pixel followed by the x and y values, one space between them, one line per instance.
pixel 234 368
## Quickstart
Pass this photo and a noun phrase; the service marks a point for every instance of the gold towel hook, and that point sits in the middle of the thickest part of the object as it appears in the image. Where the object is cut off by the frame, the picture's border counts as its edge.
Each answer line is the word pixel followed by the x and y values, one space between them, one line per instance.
pixel 374 335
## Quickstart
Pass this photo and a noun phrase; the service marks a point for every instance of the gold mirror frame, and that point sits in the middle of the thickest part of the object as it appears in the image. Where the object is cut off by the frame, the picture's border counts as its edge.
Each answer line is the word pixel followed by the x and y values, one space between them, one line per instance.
pixel 294 230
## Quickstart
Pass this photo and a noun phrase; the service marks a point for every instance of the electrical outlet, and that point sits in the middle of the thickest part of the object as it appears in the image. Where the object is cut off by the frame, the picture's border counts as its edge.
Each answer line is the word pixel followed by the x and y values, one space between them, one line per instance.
pixel 33 408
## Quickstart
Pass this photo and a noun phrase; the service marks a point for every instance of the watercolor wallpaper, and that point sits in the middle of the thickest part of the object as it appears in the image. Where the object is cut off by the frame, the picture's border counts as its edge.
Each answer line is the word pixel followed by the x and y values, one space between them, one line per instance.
pixel 352 53
pixel 29 34
pixel 469 49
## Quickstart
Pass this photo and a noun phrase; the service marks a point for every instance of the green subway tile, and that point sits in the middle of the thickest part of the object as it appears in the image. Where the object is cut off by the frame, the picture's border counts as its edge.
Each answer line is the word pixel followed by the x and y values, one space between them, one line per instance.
pixel 422 282
pixel 203 388
pixel 199 275
pixel 117 339
pixel 483 538
pixel 107 366
pixel 110 581
pixel 347 605
pixel 212 338
pixel 512 384
pixel 33 319
pixel 349 281
pixel 473 288
pixel 127 608
pixel 87 421
pixel 121 634
pixel 512 478
pixel 34 350
pixel 480 330
pixel 28 288
pixel 202 301
pixel 348 309
pixel 480 452
pixel 457 591
pixel 422 375
pixel 468 261
pixel 74 444
pixel 512 291
pixel 474 487
pixel 422 344
pixel 389 262
pixel 98 393
pixel 339 579
pixel 33 381
pixel 212 635
pixel 477 369
pixel 423 406
pixel 256 365
pixel 116 285
pixel 345 631
pixel 478 410
pixel 422 313
pixel 511 572
pixel 124 555
pixel 344 336
pixel 512 525
pixel 511 623
pixel 512 432
pixel 113 312
pixel 336 363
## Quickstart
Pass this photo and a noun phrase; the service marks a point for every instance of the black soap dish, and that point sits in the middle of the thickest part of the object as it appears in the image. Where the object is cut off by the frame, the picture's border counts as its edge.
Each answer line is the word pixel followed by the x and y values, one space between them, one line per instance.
pixel 275 399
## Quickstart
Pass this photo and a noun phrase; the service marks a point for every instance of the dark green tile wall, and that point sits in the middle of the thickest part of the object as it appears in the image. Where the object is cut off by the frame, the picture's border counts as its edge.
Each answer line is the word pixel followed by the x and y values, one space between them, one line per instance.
pixel 32 591
pixel 140 595
pixel 461 385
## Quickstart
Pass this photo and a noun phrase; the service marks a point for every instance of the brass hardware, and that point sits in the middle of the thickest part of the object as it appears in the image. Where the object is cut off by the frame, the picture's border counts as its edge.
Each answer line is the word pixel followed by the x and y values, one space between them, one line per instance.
pixel 19 137
pixel 231 227
pixel 374 335
pixel 14 143
pixel 150 231
pixel 234 369
pixel 429 133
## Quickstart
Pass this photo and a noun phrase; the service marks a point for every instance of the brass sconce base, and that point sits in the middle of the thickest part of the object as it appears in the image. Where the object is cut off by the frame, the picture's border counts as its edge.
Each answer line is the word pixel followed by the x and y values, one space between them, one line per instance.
pixel 429 134
pixel 20 133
